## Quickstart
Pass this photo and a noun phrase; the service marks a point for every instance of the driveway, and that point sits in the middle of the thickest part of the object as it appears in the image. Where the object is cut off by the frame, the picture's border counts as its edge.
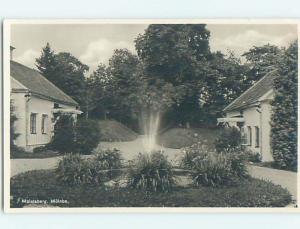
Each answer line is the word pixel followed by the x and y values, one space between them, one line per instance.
pixel 286 179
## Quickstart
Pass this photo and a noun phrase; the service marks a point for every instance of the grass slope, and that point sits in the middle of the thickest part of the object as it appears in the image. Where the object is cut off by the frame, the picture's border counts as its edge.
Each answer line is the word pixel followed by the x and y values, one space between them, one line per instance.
pixel 42 185
pixel 177 138
pixel 113 131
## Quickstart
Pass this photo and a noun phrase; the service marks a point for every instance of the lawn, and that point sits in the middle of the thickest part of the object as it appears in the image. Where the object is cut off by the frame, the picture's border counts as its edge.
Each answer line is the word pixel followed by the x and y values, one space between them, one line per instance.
pixel 39 155
pixel 113 131
pixel 42 184
pixel 177 138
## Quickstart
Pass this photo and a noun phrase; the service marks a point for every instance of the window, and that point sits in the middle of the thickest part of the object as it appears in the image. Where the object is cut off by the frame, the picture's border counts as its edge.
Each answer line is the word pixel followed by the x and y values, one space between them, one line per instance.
pixel 44 124
pixel 33 123
pixel 256 136
pixel 249 135
pixel 244 136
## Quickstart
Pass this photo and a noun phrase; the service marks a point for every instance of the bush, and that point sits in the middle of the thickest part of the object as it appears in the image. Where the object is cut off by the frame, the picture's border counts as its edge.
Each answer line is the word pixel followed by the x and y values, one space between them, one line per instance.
pixel 253 156
pixel 87 136
pixel 211 168
pixel 196 151
pixel 229 137
pixel 108 160
pixel 40 149
pixel 151 173
pixel 64 135
pixel 74 170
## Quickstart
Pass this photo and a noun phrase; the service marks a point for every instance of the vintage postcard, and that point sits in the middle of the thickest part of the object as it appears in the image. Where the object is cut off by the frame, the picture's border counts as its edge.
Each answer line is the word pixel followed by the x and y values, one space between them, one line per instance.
pixel 151 115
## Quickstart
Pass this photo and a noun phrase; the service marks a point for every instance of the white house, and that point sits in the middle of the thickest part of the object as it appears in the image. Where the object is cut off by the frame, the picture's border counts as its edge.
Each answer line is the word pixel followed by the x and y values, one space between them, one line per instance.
pixel 251 113
pixel 36 103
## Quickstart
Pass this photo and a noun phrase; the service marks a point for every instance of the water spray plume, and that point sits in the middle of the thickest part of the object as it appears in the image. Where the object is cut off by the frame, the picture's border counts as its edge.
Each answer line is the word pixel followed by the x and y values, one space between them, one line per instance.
pixel 150 123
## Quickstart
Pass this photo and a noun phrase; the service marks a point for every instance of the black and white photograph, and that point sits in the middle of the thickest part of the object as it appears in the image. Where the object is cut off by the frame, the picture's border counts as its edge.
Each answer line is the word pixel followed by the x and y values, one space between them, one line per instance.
pixel 151 114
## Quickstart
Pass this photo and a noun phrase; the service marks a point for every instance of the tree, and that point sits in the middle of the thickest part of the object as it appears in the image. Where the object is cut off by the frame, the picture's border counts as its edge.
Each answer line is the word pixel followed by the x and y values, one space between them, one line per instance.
pixel 46 63
pixel 261 60
pixel 99 92
pixel 284 110
pixel 124 70
pixel 176 55
pixel 66 72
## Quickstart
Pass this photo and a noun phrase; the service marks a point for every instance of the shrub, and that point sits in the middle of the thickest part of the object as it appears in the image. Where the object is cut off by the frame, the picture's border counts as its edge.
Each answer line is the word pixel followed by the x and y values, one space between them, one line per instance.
pixel 13 134
pixel 213 168
pixel 151 173
pixel 64 135
pixel 40 149
pixel 198 150
pixel 284 111
pixel 229 137
pixel 253 156
pixel 108 160
pixel 74 170
pixel 87 135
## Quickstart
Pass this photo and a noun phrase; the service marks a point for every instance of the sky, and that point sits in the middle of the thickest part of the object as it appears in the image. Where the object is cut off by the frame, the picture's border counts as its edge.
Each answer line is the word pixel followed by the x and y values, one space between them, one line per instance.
pixel 94 44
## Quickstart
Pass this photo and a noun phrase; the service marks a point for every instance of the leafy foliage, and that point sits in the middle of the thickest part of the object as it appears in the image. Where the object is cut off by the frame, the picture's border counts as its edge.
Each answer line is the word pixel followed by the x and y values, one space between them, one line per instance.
pixel 63 139
pixel 261 60
pixel 211 168
pixel 87 135
pixel 229 137
pixel 109 160
pixel 284 115
pixel 65 71
pixel 151 173
pixel 74 170
pixel 13 119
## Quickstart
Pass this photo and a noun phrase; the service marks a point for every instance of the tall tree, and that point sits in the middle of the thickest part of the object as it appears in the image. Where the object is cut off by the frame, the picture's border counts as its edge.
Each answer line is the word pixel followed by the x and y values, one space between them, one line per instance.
pixel 284 110
pixel 66 72
pixel 47 64
pixel 261 60
pixel 99 92
pixel 124 70
pixel 176 54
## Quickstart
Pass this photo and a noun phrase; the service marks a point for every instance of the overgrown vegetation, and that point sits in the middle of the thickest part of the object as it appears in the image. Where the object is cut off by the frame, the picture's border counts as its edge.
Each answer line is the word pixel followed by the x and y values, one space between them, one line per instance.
pixel 43 185
pixel 151 173
pixel 284 115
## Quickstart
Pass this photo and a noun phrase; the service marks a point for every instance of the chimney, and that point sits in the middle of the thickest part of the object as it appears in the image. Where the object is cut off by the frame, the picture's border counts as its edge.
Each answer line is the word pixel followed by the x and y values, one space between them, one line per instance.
pixel 11 52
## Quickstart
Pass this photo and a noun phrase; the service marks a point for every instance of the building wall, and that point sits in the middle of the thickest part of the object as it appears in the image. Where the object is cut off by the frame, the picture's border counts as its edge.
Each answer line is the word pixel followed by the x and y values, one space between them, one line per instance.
pixel 23 108
pixel 259 117
pixel 266 131
pixel 252 119
pixel 18 103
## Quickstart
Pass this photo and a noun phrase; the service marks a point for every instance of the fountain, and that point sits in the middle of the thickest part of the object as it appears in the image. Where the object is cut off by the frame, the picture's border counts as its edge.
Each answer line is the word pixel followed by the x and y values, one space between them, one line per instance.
pixel 150 122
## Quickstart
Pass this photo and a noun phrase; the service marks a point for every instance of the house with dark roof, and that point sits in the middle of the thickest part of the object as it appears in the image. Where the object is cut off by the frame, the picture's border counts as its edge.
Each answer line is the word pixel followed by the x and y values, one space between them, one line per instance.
pixel 251 113
pixel 36 103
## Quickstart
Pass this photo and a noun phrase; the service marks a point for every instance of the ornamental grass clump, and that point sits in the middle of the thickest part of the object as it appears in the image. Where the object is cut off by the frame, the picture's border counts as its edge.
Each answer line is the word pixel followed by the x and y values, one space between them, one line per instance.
pixel 109 160
pixel 151 173
pixel 212 168
pixel 74 170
